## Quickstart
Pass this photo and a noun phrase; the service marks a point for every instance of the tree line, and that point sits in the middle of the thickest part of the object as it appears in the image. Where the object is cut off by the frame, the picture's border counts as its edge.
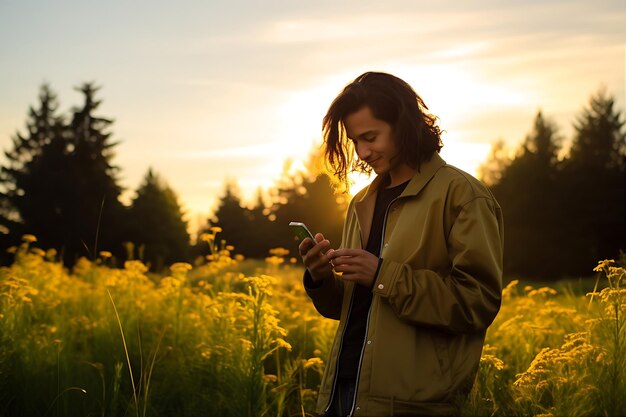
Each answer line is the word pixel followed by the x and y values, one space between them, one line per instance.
pixel 563 210
pixel 59 183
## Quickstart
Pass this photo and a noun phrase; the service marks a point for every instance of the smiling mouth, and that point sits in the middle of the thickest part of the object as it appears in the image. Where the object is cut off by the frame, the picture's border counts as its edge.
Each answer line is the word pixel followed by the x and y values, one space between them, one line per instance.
pixel 373 161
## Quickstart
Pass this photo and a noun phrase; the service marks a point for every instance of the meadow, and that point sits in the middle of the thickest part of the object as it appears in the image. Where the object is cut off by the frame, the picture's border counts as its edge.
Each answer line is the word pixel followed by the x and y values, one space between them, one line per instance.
pixel 234 337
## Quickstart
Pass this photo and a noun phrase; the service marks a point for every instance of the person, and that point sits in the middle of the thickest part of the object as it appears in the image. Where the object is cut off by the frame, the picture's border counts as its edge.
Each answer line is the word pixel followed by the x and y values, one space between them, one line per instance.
pixel 417 278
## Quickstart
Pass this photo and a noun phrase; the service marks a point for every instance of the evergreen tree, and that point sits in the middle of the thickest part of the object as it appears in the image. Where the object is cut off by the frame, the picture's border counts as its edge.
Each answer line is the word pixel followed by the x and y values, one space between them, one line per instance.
pixel 234 219
pixel 94 214
pixel 593 186
pixel 60 184
pixel 599 141
pixel 156 223
pixel 22 191
pixel 259 240
pixel 528 193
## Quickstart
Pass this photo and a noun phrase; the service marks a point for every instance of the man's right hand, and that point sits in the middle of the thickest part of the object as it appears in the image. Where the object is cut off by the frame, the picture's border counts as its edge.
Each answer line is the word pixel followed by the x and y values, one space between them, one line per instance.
pixel 315 257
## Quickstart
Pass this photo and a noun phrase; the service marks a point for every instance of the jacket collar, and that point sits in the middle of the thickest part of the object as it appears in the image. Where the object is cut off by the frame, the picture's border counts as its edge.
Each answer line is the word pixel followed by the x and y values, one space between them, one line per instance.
pixel 365 206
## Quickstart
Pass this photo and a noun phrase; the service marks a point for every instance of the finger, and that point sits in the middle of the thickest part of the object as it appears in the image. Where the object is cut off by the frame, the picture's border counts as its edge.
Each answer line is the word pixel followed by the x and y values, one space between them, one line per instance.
pixel 346 260
pixel 350 277
pixel 319 264
pixel 347 252
pixel 317 249
pixel 305 246
pixel 319 237
pixel 346 269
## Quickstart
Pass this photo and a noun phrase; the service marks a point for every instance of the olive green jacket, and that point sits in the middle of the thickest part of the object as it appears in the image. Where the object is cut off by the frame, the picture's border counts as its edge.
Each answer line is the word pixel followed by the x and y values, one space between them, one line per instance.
pixel 437 289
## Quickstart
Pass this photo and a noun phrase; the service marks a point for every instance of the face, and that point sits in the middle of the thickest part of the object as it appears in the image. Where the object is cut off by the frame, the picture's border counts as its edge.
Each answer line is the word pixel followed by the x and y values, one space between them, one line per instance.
pixel 373 140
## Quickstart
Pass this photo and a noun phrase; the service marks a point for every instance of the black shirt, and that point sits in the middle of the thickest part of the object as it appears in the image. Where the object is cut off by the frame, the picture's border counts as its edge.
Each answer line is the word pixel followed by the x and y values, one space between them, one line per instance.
pixel 354 335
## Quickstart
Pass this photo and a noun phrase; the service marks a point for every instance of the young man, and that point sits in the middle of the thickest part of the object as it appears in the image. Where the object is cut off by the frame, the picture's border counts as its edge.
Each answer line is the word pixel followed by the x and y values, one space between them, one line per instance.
pixel 417 278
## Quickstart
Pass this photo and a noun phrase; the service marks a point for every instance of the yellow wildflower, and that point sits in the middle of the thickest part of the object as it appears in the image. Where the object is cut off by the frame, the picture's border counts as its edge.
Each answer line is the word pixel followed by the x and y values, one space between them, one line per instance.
pixel 38 252
pixel 181 267
pixel 281 343
pixel 269 378
pixel 279 252
pixel 105 254
pixel 51 254
pixel 274 260
pixel 313 362
pixel 604 264
pixel 207 237
pixel 29 238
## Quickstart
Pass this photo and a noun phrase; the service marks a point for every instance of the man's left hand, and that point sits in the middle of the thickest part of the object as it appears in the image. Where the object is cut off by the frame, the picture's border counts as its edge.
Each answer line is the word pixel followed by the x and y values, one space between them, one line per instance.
pixel 356 265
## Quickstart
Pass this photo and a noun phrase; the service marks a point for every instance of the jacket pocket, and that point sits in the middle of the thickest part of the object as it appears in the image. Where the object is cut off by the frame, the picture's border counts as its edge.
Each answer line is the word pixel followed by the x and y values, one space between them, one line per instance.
pixel 408 364
pixel 442 352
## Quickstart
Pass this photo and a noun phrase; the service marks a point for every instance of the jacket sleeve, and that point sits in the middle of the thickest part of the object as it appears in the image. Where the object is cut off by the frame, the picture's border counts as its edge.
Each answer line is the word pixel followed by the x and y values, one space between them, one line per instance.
pixel 468 297
pixel 327 296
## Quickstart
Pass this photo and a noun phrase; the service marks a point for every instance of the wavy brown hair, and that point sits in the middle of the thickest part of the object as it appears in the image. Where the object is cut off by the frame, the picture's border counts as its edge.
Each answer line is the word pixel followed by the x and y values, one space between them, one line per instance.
pixel 391 100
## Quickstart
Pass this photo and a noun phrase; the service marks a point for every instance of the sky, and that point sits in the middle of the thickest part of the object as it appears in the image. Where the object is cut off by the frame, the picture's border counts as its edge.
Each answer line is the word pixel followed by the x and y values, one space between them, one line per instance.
pixel 204 91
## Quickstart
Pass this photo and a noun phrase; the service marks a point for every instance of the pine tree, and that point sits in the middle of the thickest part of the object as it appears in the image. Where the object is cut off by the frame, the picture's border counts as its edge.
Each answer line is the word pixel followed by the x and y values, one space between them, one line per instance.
pixel 94 215
pixel 233 219
pixel 59 184
pixel 593 186
pixel 42 125
pixel 156 223
pixel 599 142
pixel 527 192
pixel 259 240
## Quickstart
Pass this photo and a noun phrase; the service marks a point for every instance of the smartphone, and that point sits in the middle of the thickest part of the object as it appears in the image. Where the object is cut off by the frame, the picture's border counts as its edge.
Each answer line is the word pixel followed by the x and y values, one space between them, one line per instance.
pixel 301 231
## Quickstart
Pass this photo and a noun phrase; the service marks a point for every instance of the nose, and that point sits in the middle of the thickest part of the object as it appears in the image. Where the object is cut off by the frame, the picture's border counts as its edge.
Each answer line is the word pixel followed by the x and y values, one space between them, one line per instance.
pixel 363 151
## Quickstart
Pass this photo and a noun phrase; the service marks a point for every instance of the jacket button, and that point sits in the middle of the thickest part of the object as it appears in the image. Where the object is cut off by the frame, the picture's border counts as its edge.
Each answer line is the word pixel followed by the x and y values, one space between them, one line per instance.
pixel 386 244
pixel 369 342
pixel 381 286
pixel 358 408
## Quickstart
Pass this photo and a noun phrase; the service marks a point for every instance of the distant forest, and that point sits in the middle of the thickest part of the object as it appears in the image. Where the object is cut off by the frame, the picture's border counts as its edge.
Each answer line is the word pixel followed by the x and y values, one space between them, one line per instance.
pixel 59 183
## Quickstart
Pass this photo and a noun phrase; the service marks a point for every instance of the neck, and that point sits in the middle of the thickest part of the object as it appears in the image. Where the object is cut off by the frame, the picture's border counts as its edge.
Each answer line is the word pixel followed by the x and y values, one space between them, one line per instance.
pixel 400 174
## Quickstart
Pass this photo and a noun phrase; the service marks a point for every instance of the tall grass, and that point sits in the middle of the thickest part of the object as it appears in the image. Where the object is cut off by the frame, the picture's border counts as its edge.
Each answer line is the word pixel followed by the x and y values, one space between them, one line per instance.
pixel 230 337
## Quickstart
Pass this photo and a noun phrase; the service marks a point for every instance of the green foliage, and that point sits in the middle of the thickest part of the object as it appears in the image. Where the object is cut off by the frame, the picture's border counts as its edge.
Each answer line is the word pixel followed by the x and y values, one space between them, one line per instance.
pixel 562 215
pixel 307 195
pixel 213 341
pixel 155 222
pixel 59 182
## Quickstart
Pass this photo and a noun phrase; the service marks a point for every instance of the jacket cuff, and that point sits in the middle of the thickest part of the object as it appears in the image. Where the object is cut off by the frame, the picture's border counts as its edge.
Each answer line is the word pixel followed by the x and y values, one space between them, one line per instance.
pixel 386 277
pixel 313 288
pixel 309 284
pixel 380 262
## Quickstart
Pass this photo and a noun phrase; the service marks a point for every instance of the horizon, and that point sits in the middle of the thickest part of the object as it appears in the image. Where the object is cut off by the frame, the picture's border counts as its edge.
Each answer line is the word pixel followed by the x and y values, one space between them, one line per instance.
pixel 202 93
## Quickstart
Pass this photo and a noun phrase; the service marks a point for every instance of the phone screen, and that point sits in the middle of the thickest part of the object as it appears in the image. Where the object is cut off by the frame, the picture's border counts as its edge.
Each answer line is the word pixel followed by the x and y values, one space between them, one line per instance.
pixel 301 231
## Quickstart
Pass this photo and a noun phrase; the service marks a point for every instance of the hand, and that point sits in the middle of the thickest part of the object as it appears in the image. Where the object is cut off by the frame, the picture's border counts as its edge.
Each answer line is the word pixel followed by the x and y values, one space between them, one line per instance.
pixel 357 265
pixel 314 259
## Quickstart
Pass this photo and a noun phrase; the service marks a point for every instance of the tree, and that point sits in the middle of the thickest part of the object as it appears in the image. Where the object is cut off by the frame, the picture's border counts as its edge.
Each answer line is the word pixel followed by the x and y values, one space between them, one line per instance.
pixel 526 189
pixel 234 220
pixel 156 223
pixel 593 186
pixel 599 141
pixel 43 126
pixel 59 184
pixel 308 196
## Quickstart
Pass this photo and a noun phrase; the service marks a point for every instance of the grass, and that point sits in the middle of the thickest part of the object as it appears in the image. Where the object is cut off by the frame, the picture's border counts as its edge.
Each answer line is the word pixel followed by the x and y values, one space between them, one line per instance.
pixel 232 337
